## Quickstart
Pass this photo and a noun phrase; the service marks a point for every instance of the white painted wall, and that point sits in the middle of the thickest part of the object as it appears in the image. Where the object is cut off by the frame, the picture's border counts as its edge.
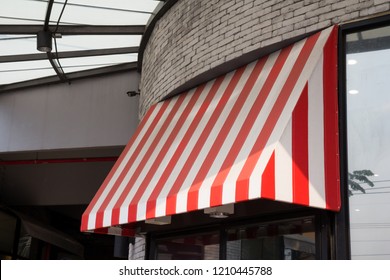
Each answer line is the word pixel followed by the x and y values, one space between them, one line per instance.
pixel 94 112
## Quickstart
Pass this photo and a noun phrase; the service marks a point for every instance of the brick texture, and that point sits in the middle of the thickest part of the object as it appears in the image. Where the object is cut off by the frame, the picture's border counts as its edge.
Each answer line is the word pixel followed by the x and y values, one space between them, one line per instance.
pixel 196 36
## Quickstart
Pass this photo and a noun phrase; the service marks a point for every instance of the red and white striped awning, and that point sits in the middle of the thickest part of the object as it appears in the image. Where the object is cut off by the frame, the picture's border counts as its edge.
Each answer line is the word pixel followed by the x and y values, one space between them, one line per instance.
pixel 266 130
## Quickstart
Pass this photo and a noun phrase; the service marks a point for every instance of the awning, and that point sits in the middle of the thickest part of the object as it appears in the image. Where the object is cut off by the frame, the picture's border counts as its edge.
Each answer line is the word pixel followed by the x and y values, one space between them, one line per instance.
pixel 266 130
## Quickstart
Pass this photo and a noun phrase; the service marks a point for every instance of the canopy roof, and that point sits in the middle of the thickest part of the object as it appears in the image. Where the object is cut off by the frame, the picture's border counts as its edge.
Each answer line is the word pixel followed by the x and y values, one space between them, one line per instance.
pixel 88 38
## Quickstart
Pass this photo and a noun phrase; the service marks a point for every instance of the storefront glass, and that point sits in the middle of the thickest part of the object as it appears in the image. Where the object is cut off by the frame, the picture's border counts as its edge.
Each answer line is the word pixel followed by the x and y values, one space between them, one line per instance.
pixel 368 122
pixel 202 246
pixel 288 240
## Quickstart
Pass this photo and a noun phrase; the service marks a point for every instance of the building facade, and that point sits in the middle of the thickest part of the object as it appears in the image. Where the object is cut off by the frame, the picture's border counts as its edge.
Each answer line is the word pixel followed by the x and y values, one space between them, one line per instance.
pixel 190 46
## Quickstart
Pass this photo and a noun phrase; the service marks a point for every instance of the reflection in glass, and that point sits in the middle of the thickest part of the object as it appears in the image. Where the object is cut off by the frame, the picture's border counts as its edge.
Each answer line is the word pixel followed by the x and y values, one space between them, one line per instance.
pixel 368 115
pixel 203 246
pixel 288 240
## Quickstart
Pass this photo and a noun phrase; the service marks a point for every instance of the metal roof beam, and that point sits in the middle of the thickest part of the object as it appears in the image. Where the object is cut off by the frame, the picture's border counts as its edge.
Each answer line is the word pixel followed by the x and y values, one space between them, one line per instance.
pixel 71 76
pixel 57 67
pixel 69 54
pixel 76 29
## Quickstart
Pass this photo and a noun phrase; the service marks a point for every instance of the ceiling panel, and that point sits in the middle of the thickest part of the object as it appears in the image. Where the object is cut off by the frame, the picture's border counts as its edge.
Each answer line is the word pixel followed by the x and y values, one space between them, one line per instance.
pixel 19 53
pixel 13 72
pixel 86 63
pixel 92 42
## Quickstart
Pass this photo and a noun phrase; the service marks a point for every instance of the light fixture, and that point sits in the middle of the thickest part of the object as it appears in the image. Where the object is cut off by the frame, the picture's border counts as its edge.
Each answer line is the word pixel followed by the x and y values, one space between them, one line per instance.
pixel 166 220
pixel 353 91
pixel 220 212
pixel 44 41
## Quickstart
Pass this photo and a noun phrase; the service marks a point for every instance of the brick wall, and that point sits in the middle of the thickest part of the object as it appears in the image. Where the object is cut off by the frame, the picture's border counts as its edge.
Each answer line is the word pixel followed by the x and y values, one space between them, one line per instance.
pixel 196 36
pixel 137 250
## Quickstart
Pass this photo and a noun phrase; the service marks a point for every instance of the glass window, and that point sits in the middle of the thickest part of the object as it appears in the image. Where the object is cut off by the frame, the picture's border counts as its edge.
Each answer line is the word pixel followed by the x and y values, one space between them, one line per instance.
pixel 368 115
pixel 202 246
pixel 288 240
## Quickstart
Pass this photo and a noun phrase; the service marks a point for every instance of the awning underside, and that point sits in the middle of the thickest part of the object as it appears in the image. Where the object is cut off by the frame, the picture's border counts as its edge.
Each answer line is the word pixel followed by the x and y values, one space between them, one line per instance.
pixel 267 130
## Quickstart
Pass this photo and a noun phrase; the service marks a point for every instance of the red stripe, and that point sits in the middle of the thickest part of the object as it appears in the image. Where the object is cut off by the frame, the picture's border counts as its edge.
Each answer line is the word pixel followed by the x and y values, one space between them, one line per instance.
pixel 217 186
pixel 248 125
pixel 268 179
pixel 163 151
pixel 243 179
pixel 151 204
pixel 300 150
pixel 331 141
pixel 162 128
pixel 100 213
pixel 172 196
pixel 85 217
pixel 193 194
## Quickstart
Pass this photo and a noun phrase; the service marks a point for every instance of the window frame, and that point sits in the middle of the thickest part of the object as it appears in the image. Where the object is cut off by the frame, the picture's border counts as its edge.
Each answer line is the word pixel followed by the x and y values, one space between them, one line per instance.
pixel 340 225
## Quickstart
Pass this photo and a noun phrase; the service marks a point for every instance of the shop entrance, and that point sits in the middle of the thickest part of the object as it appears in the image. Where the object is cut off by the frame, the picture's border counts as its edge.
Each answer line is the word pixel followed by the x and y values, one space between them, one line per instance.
pixel 287 239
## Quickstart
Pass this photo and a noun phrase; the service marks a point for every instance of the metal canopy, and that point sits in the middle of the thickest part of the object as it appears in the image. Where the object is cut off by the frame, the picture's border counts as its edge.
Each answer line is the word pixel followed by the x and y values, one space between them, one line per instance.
pixel 88 38
pixel 75 29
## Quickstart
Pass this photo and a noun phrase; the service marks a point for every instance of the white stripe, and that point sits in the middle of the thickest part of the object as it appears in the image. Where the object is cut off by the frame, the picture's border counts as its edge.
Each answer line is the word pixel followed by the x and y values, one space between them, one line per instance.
pixel 155 151
pixel 286 114
pixel 316 138
pixel 118 171
pixel 226 144
pixel 183 193
pixel 161 200
pixel 283 166
pixel 134 165
pixel 255 178
pixel 229 187
pixel 231 179
pixel 141 212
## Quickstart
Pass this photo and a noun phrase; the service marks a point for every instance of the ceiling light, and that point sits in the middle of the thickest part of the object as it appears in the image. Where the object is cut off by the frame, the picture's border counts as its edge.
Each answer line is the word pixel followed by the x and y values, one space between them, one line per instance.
pixel 220 212
pixel 352 62
pixel 44 41
pixel 353 91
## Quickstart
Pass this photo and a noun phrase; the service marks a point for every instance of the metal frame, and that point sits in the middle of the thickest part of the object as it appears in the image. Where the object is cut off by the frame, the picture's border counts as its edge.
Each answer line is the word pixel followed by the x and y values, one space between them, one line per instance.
pixel 28 29
pixel 53 57
pixel 125 67
pixel 340 222
pixel 69 54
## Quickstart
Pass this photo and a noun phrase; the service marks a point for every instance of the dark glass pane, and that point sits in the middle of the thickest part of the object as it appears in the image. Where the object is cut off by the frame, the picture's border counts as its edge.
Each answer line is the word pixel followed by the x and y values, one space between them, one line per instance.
pixel 203 246
pixel 293 239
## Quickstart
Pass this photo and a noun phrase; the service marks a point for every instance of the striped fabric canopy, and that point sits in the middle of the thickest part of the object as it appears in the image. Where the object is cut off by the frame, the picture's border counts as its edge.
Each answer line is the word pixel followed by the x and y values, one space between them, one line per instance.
pixel 266 130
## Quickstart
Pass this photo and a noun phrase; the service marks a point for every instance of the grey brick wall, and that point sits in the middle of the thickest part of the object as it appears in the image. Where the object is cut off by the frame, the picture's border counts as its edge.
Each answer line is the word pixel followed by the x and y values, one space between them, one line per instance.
pixel 196 36
pixel 137 250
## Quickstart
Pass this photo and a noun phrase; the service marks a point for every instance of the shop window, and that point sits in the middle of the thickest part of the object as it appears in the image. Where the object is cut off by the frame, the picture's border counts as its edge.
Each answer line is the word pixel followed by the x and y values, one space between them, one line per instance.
pixel 368 115
pixel 288 240
pixel 203 246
